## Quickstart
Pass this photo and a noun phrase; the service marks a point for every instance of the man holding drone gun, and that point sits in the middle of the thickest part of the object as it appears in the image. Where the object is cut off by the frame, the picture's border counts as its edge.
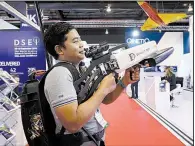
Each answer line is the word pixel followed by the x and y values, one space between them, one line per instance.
pixel 64 43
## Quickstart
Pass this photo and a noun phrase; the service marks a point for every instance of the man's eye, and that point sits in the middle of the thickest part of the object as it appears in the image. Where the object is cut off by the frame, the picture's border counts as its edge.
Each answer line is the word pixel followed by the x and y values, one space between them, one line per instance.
pixel 75 41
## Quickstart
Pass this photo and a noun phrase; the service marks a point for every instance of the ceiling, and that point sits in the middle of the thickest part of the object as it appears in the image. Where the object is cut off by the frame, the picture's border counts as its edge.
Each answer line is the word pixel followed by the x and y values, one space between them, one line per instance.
pixel 97 10
pixel 93 14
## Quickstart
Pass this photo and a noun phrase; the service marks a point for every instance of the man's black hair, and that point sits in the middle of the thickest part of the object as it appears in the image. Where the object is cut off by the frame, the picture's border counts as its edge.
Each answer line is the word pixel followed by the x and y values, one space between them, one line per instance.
pixel 56 35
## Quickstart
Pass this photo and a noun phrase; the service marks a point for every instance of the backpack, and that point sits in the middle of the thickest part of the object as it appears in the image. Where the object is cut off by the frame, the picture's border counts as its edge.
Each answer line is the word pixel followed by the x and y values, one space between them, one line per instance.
pixel 36 111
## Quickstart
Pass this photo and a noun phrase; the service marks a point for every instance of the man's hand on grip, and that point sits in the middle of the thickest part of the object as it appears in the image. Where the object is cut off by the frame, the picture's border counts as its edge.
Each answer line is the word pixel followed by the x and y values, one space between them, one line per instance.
pixel 108 84
pixel 132 77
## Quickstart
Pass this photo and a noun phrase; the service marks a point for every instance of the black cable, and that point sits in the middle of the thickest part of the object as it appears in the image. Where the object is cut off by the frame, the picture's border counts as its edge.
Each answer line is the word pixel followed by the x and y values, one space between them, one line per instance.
pixel 49 62
pixel 92 138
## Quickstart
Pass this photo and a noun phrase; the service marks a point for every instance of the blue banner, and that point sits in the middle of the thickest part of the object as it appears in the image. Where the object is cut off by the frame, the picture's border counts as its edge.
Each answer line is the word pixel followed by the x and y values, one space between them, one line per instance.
pixel 32 16
pixel 21 52
pixel 141 37
pixel 186 43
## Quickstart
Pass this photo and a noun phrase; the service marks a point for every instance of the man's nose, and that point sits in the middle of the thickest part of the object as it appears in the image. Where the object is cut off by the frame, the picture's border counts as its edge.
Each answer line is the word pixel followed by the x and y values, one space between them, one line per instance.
pixel 81 45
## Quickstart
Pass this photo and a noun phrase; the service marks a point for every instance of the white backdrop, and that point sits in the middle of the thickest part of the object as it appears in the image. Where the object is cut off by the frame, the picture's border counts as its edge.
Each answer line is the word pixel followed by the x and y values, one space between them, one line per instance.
pixel 175 40
pixel 186 65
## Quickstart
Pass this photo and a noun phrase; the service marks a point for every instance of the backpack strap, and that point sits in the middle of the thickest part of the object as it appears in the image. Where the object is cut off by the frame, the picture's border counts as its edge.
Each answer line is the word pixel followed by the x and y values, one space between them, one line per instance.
pixel 45 107
pixel 71 68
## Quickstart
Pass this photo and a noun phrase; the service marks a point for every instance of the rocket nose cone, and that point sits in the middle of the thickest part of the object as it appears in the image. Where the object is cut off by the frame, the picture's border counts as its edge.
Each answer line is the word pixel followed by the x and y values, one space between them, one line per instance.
pixel 140 3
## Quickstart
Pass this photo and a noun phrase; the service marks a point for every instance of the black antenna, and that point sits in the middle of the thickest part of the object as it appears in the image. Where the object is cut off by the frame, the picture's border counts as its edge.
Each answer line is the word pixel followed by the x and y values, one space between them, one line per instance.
pixel 48 57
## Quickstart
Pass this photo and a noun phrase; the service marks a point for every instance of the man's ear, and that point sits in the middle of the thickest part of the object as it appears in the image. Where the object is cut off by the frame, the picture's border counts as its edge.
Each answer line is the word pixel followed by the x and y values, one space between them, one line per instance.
pixel 58 50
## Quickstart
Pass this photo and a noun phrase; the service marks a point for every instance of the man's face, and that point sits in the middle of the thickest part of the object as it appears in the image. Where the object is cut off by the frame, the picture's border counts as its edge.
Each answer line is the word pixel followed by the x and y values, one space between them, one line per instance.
pixel 74 48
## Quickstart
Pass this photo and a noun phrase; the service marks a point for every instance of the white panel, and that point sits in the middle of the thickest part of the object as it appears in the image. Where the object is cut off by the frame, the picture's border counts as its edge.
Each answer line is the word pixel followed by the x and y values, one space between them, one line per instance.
pixel 6 7
pixel 175 40
pixel 5 25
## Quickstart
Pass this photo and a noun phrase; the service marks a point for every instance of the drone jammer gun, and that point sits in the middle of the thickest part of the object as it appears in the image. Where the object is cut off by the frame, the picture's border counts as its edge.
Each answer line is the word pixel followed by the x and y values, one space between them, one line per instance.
pixel 105 61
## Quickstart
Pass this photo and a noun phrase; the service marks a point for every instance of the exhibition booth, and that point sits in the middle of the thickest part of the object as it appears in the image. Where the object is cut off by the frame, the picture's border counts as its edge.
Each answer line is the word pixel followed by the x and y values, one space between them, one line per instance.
pixel 176 51
pixel 22 52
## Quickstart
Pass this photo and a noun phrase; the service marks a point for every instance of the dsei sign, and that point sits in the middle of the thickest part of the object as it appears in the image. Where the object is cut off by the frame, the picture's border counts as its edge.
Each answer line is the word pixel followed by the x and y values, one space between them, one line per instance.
pixel 27 42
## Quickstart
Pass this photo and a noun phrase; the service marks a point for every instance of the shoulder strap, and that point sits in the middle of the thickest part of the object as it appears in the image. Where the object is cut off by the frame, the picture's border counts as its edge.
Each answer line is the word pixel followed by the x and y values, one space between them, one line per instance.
pixel 71 68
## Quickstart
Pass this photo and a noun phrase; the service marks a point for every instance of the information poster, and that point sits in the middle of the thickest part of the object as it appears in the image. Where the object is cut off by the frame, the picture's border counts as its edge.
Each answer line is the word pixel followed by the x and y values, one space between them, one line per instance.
pixel 21 52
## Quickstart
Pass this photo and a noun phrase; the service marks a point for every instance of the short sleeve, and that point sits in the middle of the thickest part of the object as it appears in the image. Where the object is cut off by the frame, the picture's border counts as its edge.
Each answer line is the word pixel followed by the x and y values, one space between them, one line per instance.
pixel 59 89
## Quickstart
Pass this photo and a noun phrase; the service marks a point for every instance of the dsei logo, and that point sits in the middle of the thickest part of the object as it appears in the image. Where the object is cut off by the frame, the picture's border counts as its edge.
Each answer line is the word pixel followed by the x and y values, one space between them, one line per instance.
pixel 27 42
pixel 137 41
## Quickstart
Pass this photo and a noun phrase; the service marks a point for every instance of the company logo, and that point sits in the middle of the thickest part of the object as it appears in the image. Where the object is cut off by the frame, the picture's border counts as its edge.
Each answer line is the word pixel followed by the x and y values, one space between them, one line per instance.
pixel 137 41
pixel 145 50
pixel 27 42
pixel 32 18
pixel 132 56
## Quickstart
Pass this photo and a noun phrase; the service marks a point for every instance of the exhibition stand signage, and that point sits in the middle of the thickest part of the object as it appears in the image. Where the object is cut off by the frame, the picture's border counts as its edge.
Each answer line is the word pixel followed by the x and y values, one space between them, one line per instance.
pixel 171 45
pixel 136 37
pixel 21 52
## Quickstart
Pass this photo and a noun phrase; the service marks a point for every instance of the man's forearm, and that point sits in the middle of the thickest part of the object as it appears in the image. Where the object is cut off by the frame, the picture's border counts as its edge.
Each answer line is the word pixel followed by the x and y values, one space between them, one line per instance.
pixel 111 97
pixel 87 109
pixel 74 116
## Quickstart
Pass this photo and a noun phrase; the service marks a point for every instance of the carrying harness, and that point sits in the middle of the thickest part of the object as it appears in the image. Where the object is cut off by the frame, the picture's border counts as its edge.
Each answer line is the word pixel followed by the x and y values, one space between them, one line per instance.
pixel 48 135
pixel 50 126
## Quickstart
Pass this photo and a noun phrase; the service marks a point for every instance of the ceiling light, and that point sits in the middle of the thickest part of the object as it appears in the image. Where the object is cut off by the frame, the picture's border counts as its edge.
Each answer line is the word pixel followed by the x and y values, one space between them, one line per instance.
pixel 106 32
pixel 31 5
pixel 190 8
pixel 185 5
pixel 108 8
pixel 135 33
